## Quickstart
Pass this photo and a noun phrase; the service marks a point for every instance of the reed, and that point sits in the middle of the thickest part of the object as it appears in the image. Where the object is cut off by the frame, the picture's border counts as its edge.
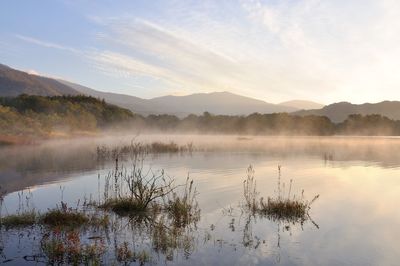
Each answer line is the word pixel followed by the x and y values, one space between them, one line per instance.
pixel 282 207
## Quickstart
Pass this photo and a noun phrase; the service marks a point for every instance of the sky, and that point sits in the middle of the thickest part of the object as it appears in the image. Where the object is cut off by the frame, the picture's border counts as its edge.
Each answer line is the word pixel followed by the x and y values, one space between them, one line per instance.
pixel 273 50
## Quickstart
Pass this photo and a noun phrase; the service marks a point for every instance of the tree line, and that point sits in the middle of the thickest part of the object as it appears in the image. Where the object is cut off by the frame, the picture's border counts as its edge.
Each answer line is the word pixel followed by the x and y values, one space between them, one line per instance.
pixel 41 115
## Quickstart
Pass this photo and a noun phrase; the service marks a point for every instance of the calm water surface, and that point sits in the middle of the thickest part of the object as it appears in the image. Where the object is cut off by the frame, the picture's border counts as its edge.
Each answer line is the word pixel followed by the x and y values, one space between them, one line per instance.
pixel 355 221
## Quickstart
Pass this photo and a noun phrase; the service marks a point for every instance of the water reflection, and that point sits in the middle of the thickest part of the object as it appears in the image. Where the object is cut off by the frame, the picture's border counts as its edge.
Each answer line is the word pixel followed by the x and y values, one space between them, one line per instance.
pixel 356 214
pixel 25 166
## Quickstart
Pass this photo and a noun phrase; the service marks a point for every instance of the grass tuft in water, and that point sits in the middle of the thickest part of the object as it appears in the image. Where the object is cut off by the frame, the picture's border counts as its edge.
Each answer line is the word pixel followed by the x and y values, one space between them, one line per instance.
pixel 107 153
pixel 183 209
pixel 64 216
pixel 19 220
pixel 124 206
pixel 281 207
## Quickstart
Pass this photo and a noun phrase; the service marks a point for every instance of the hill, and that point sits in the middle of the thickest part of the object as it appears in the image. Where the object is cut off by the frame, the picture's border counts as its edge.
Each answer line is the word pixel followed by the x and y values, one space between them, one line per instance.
pixel 338 112
pixel 222 103
pixel 29 115
pixel 135 104
pixel 14 82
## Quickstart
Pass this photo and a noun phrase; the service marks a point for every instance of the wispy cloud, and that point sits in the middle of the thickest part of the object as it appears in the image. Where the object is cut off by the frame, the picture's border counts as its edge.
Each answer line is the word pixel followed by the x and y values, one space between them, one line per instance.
pixel 274 50
pixel 46 44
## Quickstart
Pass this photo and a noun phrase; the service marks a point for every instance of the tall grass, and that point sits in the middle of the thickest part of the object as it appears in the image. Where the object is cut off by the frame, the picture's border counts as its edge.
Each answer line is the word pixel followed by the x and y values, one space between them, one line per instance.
pixel 282 207
pixel 134 148
pixel 183 209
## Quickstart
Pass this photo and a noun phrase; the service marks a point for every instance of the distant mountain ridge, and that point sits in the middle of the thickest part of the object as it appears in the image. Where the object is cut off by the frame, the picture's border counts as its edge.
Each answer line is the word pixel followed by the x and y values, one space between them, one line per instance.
pixel 338 112
pixel 224 103
pixel 135 104
pixel 14 82
pixel 302 104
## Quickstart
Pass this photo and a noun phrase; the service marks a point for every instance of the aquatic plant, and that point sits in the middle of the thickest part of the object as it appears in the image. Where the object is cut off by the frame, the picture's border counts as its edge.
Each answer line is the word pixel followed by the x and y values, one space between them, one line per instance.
pixel 25 215
pixel 183 209
pixel 250 190
pixel 23 219
pixel 123 206
pixel 139 148
pixel 135 190
pixel 281 207
pixel 64 216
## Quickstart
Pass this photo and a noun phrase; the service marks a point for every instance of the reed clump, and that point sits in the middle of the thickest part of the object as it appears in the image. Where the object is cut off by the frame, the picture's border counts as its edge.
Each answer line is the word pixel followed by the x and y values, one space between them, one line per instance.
pixel 137 190
pixel 124 206
pixel 106 153
pixel 183 209
pixel 23 219
pixel 64 216
pixel 281 207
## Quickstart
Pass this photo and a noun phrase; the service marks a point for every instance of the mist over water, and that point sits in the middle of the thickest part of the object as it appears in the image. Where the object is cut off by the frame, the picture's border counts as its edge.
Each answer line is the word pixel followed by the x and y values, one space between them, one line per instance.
pixel 356 217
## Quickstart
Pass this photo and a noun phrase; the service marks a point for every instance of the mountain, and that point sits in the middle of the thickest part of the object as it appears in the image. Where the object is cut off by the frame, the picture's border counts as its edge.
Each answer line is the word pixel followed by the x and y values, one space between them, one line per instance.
pixel 135 104
pixel 224 103
pixel 338 112
pixel 14 82
pixel 302 104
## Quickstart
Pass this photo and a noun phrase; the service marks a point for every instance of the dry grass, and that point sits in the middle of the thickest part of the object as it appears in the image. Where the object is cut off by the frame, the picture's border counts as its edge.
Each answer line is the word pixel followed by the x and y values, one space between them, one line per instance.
pixel 64 216
pixel 183 209
pixel 111 153
pixel 281 207
pixel 58 217
pixel 19 220
pixel 124 206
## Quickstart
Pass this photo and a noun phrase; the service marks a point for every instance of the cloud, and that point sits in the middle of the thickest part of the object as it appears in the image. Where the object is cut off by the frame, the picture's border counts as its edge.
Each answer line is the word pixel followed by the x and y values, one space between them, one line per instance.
pixel 46 44
pixel 154 51
pixel 274 50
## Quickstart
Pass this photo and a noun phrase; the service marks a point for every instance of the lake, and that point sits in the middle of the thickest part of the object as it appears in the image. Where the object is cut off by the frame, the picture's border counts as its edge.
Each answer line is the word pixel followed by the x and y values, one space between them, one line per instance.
pixel 355 220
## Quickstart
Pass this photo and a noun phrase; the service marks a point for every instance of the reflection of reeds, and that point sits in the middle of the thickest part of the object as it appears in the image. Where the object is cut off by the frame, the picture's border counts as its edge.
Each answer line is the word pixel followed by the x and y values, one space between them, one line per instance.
pixel 65 247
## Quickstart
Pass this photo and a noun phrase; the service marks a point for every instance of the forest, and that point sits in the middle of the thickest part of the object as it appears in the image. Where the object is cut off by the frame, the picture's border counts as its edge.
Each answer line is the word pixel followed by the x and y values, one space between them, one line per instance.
pixel 41 116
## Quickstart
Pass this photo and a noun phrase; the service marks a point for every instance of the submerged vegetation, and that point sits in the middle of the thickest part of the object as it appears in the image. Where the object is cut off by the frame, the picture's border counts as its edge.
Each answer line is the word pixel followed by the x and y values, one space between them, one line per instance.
pixel 150 204
pixel 141 216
